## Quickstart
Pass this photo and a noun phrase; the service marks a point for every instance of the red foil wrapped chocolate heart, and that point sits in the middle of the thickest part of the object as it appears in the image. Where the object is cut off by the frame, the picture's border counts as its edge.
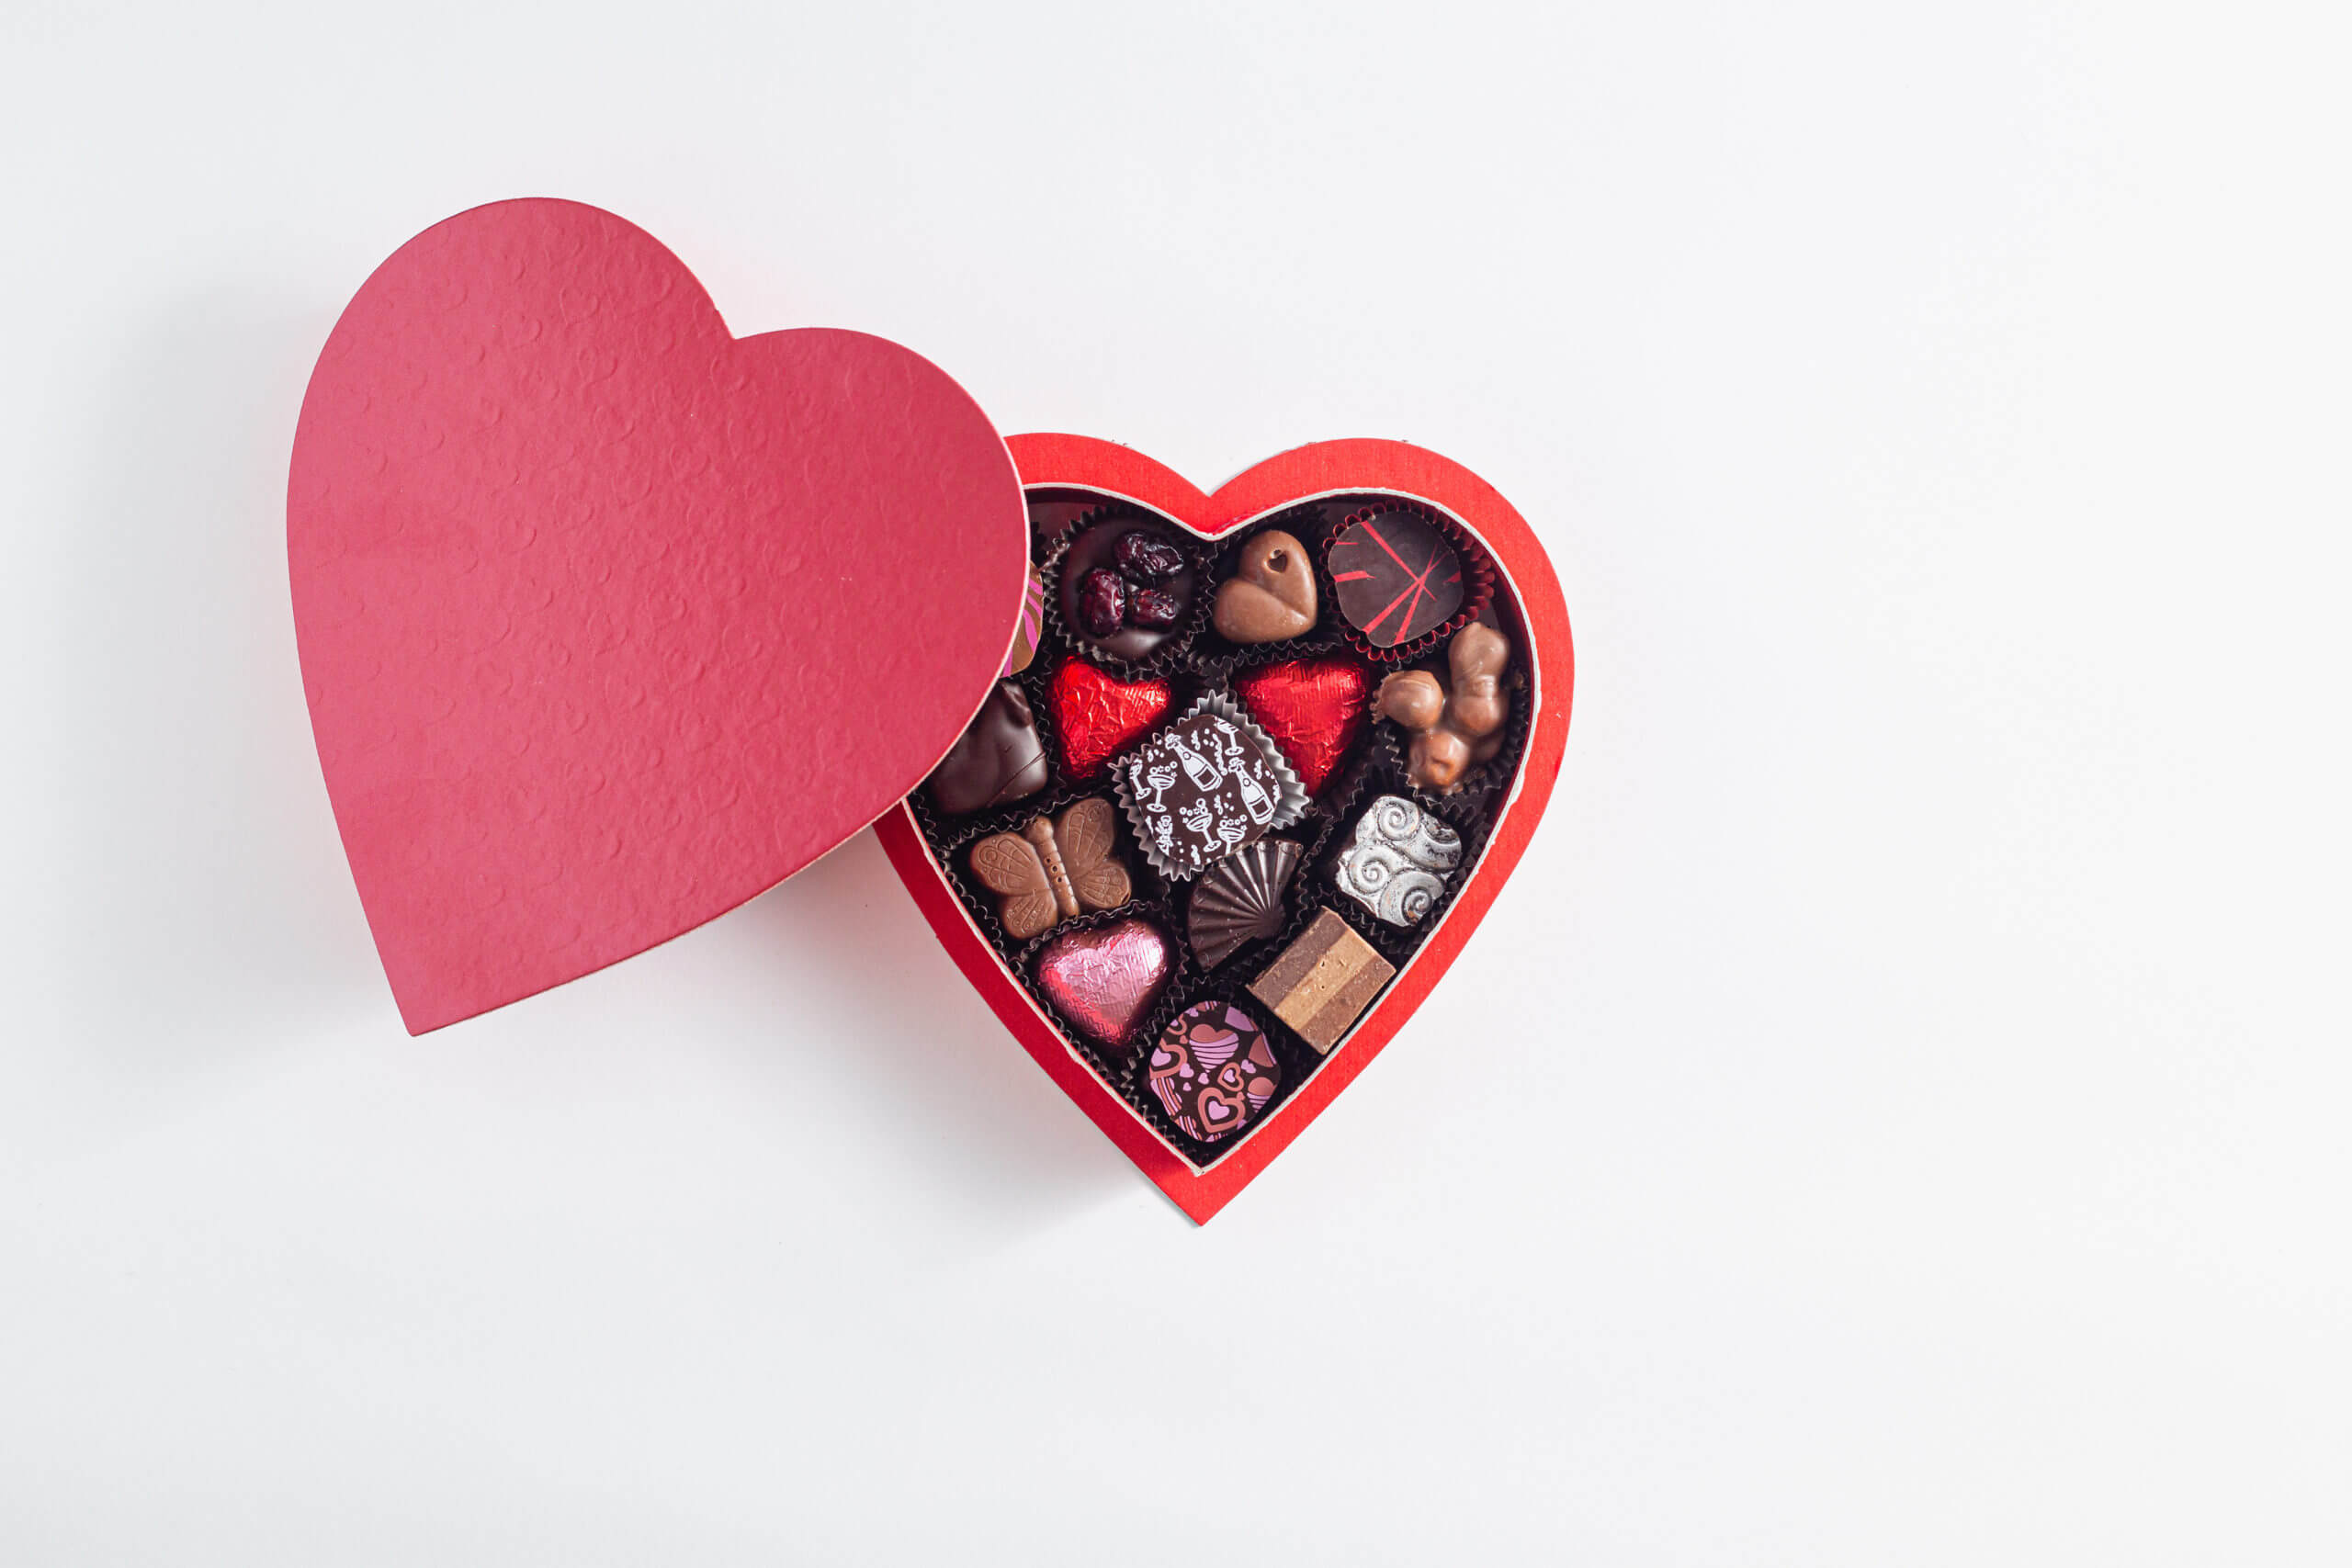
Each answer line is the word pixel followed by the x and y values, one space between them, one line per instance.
pixel 1314 708
pixel 1095 715
pixel 1106 980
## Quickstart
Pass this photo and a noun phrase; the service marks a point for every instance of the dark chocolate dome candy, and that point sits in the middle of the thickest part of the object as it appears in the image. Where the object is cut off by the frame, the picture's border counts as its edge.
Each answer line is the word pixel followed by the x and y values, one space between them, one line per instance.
pixel 998 761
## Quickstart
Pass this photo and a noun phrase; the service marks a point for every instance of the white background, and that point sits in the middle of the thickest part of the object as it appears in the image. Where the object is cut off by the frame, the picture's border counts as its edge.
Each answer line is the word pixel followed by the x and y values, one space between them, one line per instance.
pixel 1897 1114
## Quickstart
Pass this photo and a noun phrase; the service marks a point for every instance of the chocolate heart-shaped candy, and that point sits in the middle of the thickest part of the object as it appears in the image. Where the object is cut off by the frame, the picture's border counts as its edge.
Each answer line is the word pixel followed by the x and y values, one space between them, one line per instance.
pixel 1314 708
pixel 1095 715
pixel 1270 595
pixel 1104 980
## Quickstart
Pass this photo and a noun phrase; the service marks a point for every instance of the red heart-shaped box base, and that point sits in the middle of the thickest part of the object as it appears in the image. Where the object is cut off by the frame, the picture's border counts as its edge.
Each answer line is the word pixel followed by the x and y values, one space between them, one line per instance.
pixel 1332 468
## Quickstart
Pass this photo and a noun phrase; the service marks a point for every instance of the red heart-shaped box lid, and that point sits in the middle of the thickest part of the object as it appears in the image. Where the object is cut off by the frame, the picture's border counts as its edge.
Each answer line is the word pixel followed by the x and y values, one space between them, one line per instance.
pixel 610 620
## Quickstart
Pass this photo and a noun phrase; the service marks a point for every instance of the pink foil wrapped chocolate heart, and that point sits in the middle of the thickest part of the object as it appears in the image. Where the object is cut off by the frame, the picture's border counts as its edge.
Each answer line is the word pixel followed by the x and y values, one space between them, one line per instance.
pixel 1104 980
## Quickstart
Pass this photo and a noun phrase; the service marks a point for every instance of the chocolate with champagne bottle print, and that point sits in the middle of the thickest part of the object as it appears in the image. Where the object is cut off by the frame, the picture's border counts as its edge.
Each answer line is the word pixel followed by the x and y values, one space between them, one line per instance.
pixel 1203 787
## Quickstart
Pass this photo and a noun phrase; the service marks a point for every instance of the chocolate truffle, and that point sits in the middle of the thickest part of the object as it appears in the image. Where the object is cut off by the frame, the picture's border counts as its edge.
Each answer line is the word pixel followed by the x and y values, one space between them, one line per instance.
pixel 1270 595
pixel 1125 587
pixel 1395 577
pixel 1104 980
pixel 999 759
pixel 1053 869
pixel 1400 860
pixel 1204 786
pixel 1212 1071
pixel 1322 982
pixel 1240 899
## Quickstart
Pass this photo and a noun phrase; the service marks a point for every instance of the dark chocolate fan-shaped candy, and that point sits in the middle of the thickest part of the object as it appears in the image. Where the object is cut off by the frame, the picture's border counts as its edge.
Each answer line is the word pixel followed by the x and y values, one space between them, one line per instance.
pixel 1240 899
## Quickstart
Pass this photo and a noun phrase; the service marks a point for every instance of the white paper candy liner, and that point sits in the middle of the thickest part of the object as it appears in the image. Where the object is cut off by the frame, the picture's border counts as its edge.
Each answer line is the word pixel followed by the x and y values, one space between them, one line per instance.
pixel 1291 799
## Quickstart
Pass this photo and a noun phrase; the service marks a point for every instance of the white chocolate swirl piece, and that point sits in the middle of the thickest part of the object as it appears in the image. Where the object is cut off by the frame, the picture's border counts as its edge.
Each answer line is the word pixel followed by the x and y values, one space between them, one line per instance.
pixel 1398 866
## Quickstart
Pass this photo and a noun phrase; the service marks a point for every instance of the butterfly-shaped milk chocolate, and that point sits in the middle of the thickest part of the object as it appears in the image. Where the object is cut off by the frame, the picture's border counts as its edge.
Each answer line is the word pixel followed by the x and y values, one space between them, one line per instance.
pixel 1053 869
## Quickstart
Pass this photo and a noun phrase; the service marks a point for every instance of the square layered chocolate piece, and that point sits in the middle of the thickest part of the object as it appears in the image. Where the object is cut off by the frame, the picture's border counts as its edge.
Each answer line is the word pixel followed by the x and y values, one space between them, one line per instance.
pixel 1322 982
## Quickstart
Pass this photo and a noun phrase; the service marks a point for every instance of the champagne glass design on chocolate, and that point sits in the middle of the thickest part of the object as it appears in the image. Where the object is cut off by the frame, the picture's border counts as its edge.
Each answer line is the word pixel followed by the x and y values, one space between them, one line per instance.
pixel 1395 689
pixel 1205 786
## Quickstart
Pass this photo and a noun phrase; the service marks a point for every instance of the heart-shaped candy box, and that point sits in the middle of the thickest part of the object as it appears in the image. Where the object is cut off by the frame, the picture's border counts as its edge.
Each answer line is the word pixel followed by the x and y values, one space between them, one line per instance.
pixel 594 601
pixel 1361 957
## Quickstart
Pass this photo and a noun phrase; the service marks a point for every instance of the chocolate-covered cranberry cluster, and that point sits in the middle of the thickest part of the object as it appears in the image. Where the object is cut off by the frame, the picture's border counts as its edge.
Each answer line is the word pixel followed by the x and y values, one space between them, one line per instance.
pixel 1126 588
pixel 1132 595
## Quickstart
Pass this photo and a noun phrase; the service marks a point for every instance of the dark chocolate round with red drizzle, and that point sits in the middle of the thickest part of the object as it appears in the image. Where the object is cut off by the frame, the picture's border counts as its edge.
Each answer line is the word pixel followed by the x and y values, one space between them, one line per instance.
pixel 1212 1071
pixel 1395 577
pixel 1125 587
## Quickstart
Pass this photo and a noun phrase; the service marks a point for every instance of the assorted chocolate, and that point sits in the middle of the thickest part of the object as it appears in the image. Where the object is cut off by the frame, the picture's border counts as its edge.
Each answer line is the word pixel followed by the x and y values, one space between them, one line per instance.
pixel 1455 724
pixel 998 761
pixel 1322 982
pixel 1105 978
pixel 1271 596
pixel 1227 788
pixel 1199 788
pixel 1240 900
pixel 1126 587
pixel 1213 1071
pixel 1314 709
pixel 1054 869
pixel 1095 714
pixel 1396 576
pixel 1398 863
